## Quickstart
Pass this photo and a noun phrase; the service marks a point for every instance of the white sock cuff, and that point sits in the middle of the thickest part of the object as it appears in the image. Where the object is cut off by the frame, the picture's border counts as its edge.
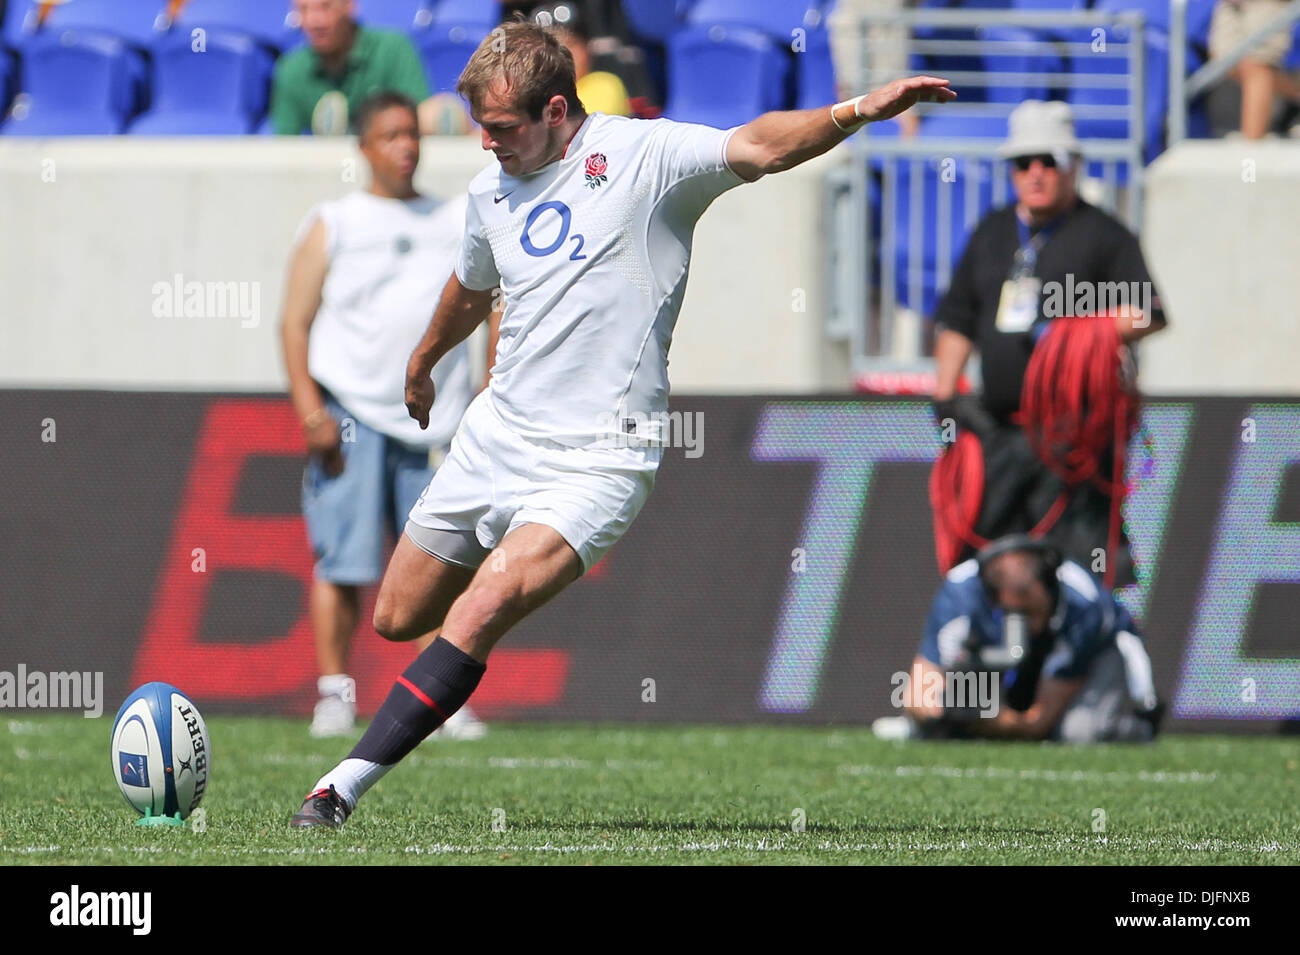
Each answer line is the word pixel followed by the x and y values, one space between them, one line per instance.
pixel 352 778
pixel 337 684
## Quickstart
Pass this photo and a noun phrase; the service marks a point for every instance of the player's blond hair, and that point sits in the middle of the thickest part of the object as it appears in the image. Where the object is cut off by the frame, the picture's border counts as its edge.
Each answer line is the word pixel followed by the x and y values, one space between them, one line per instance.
pixel 534 63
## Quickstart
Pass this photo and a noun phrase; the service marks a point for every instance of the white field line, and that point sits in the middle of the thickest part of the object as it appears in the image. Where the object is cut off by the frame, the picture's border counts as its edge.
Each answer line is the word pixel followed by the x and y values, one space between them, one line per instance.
pixel 572 763
pixel 21 728
pixel 23 753
pixel 418 760
pixel 784 843
pixel 481 762
pixel 1043 775
pixel 952 772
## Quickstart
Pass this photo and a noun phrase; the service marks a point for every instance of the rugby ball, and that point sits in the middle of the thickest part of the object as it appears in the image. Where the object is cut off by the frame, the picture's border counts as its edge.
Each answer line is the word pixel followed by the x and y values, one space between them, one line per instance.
pixel 160 750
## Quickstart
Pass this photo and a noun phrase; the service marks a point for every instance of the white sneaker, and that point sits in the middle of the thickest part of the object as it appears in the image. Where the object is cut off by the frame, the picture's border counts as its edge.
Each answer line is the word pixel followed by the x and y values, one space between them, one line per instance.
pixel 463 725
pixel 336 711
pixel 895 728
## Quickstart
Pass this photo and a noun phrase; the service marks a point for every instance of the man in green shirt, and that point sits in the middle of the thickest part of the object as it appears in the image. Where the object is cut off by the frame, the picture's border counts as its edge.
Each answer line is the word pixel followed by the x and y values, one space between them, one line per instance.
pixel 318 87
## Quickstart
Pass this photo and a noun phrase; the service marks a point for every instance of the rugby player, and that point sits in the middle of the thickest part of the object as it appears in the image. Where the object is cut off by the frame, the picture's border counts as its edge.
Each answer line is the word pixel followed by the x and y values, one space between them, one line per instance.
pixel 584 224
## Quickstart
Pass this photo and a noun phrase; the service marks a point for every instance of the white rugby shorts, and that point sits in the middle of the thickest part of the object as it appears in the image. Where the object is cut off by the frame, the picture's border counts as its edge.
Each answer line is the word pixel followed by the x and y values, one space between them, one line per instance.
pixel 494 480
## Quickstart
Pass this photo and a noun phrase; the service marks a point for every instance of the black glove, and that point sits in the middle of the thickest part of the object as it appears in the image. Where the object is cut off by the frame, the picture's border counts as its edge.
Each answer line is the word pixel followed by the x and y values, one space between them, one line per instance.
pixel 968 413
pixel 949 726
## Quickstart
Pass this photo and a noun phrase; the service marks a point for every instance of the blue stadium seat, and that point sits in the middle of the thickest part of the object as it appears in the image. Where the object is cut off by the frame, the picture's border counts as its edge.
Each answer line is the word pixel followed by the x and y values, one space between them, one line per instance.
pixel 950 179
pixel 1010 52
pixel 269 22
pixel 1097 170
pixel 220 91
pixel 406 16
pixel 444 51
pixel 1049 4
pixel 654 20
pixel 969 176
pixel 965 4
pixel 75 84
pixel 886 129
pixel 19 17
pixel 466 13
pixel 1292 61
pixel 943 64
pixel 653 23
pixel 889 129
pixel 1155 87
pixel 1155 14
pixel 815 70
pixel 1199 14
pixel 722 76
pixel 7 82
pixel 962 126
pixel 774 17
pixel 138 22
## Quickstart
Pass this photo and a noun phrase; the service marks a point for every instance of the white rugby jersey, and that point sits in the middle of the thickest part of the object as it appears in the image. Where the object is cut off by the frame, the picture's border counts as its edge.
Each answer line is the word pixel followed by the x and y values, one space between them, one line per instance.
pixel 389 260
pixel 591 253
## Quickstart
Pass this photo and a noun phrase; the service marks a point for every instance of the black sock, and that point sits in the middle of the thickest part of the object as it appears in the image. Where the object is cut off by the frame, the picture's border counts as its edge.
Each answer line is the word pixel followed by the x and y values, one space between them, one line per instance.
pixel 432 688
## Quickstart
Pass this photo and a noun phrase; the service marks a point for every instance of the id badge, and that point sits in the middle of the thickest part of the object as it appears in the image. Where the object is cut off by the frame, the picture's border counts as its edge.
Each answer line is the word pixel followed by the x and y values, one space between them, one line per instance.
pixel 1018 305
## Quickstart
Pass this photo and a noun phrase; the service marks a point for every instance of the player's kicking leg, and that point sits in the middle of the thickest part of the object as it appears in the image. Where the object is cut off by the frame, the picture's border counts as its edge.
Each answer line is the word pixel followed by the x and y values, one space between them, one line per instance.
pixel 461 726
pixel 532 564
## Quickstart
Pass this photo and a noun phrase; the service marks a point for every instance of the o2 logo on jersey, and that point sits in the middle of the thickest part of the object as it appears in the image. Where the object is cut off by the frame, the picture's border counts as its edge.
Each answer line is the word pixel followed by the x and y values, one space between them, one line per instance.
pixel 561 237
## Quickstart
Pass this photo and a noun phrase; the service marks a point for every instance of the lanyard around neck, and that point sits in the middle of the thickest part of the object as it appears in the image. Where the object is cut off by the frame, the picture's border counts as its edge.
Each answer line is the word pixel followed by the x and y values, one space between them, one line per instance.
pixel 1031 245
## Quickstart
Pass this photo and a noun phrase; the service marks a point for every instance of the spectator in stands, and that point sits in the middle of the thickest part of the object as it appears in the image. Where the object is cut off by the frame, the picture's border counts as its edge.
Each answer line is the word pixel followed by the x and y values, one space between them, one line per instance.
pixel 599 91
pixel 318 88
pixel 1022 645
pixel 884 49
pixel 1260 73
pixel 1048 240
pixel 603 18
pixel 366 271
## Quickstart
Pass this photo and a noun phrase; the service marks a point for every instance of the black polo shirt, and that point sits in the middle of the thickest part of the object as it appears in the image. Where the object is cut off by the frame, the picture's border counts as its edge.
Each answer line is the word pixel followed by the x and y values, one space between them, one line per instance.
pixel 1084 247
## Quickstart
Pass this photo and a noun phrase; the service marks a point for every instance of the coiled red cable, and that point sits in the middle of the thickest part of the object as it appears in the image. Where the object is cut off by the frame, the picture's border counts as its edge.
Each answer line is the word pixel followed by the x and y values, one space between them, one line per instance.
pixel 956 493
pixel 1075 407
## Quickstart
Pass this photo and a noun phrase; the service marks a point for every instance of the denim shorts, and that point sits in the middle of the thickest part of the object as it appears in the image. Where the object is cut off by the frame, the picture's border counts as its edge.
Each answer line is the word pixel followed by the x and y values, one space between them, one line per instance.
pixel 347 515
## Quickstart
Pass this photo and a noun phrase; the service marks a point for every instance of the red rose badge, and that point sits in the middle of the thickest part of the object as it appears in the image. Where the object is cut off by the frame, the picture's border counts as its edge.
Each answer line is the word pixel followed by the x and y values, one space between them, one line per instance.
pixel 596 167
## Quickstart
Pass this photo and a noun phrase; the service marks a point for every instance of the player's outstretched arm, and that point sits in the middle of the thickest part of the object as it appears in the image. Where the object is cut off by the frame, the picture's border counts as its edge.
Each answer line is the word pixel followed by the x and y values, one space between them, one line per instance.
pixel 459 312
pixel 776 142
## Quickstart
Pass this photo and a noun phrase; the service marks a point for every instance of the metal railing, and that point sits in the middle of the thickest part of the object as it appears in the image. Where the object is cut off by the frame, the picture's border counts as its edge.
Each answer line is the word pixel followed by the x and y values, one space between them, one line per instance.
pixel 893 248
pixel 1184 89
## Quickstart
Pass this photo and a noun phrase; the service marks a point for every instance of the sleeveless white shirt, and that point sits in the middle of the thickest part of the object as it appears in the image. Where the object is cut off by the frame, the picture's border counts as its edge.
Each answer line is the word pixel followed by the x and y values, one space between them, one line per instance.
pixel 389 260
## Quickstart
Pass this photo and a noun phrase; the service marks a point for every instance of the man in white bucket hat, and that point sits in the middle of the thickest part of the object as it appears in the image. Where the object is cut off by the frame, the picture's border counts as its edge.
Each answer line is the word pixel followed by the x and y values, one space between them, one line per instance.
pixel 1042 128
pixel 1026 264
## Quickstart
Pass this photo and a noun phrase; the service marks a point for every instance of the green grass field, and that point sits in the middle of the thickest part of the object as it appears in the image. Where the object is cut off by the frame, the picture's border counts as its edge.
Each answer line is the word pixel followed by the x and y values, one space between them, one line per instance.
pixel 580 794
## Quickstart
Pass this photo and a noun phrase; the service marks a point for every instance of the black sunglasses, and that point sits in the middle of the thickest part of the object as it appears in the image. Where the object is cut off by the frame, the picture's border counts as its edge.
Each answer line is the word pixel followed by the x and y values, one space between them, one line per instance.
pixel 1024 162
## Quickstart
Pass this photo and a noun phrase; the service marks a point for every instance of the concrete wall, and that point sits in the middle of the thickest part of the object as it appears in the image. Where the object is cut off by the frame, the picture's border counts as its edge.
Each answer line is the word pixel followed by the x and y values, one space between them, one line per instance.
pixel 1222 239
pixel 90 228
